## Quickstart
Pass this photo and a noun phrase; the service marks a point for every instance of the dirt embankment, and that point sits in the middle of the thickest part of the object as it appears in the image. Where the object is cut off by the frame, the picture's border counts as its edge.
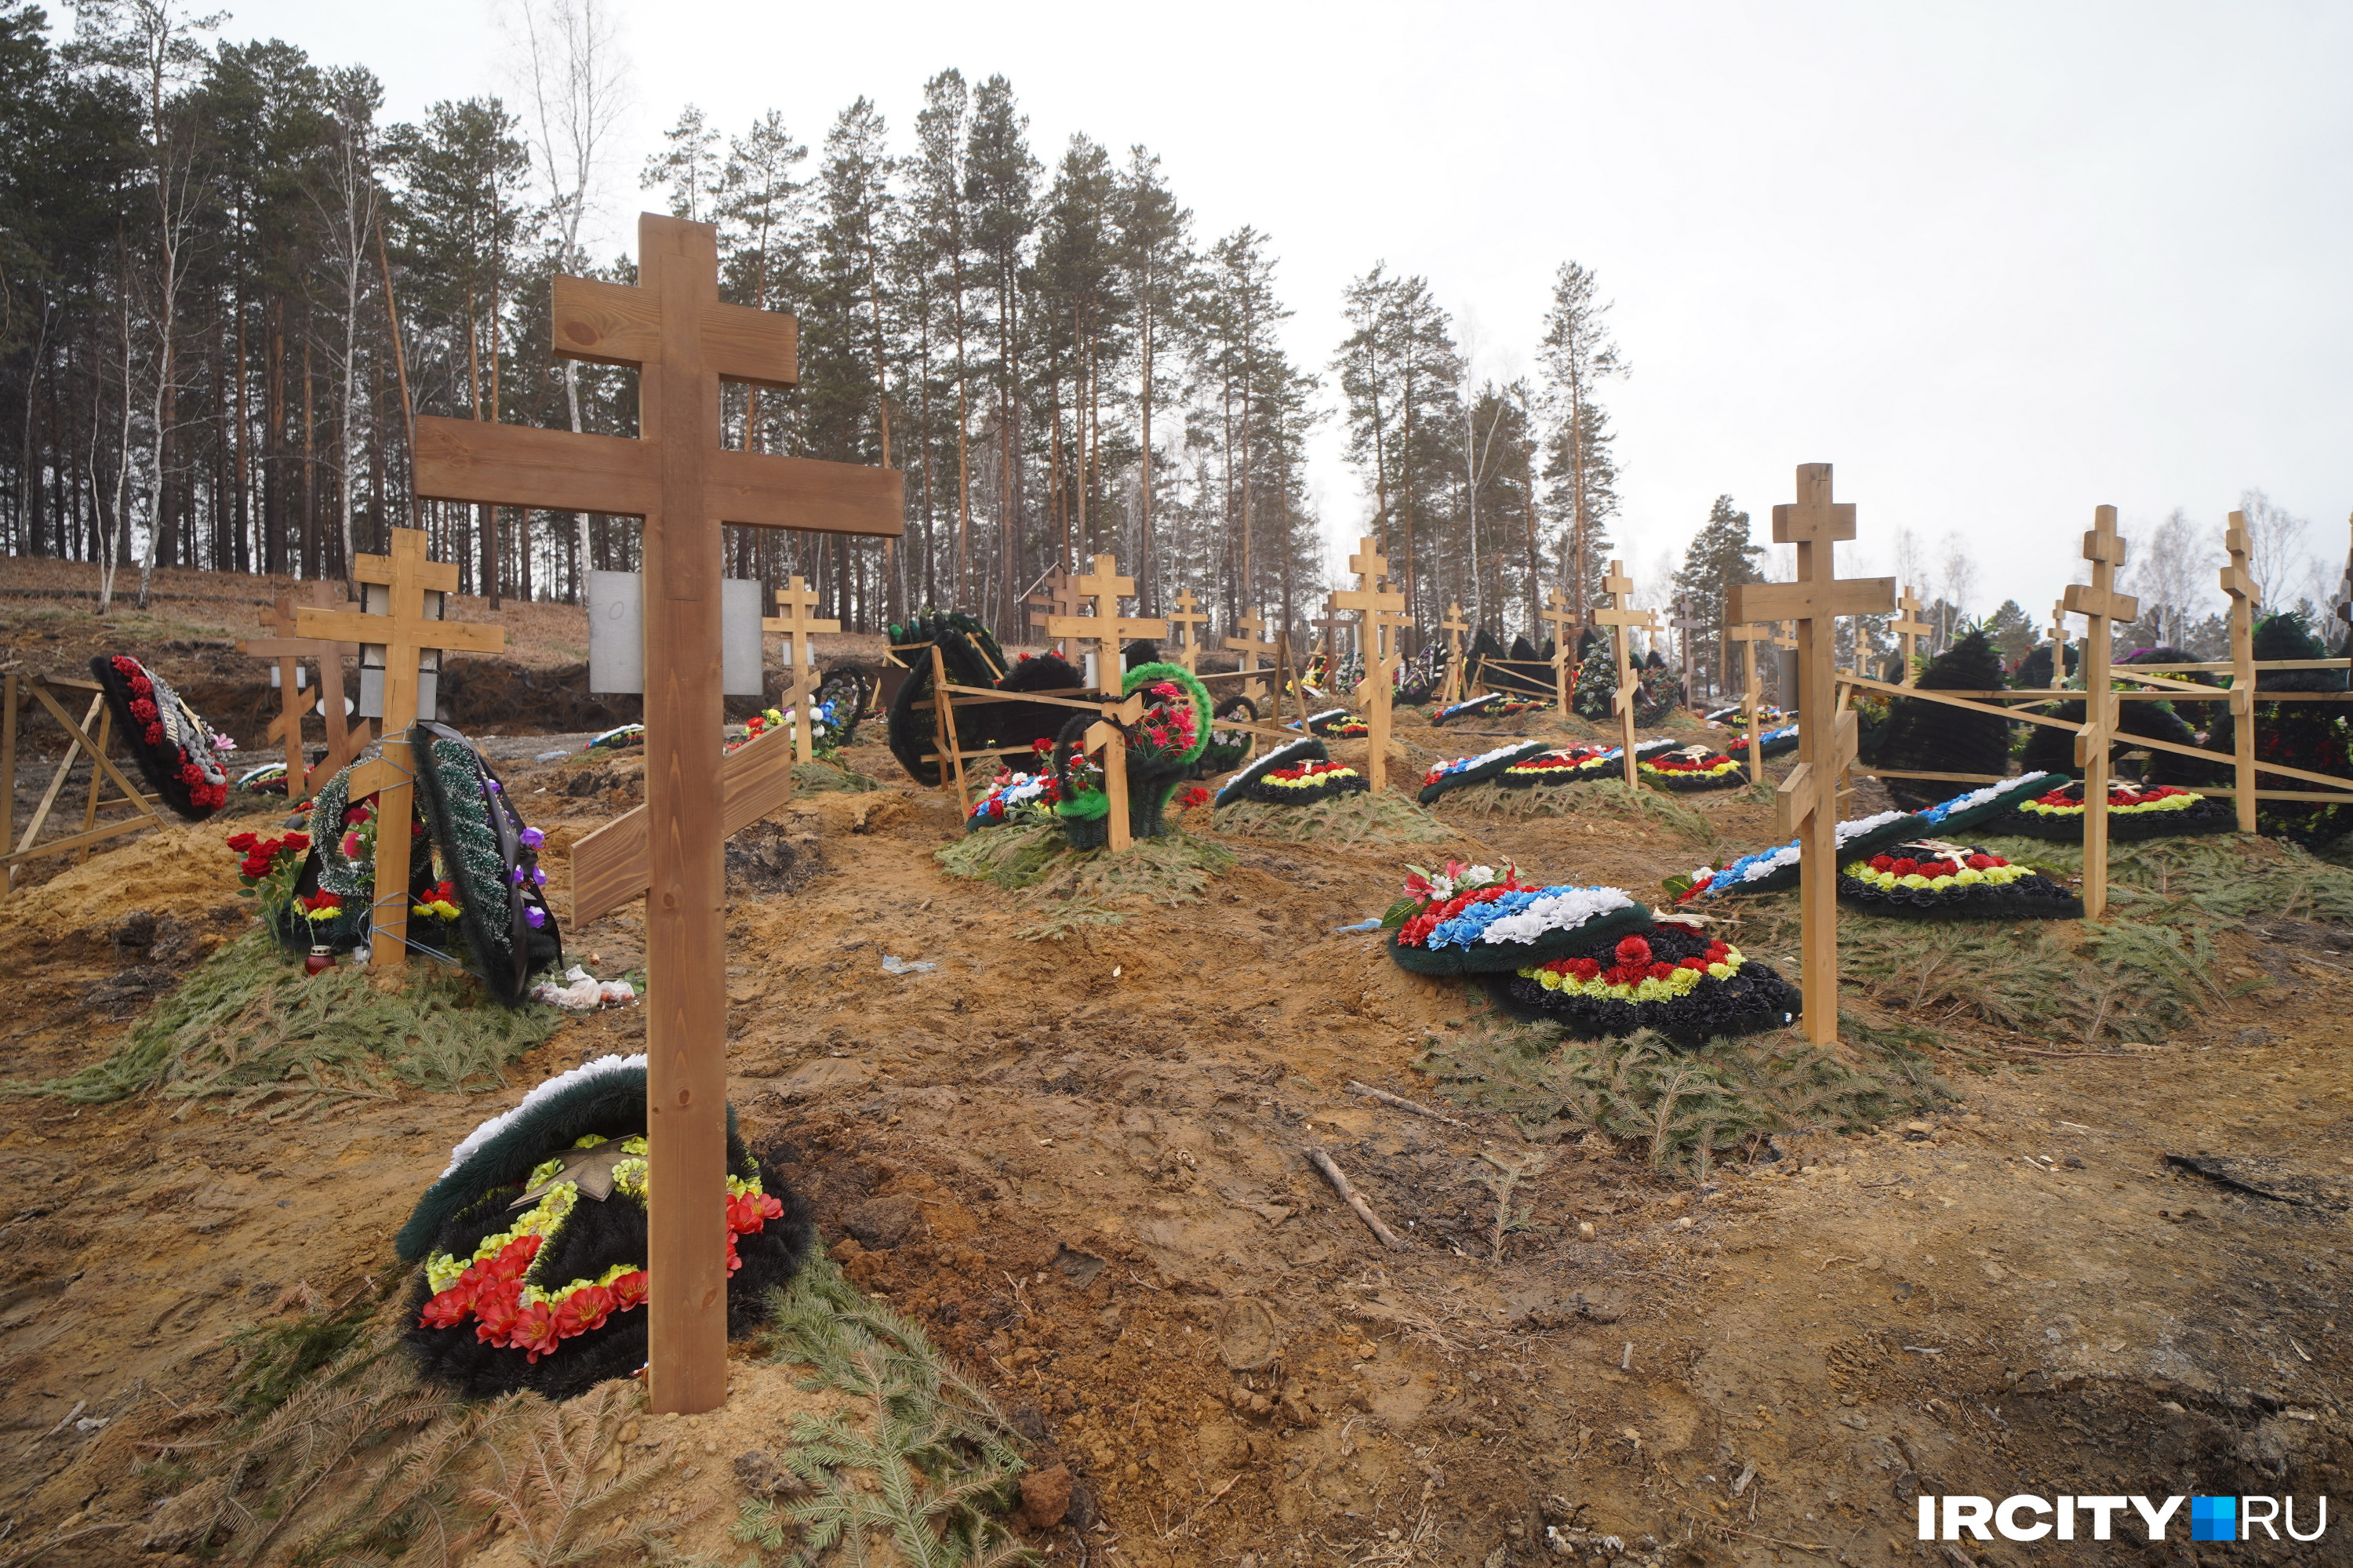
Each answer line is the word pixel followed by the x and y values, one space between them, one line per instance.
pixel 1082 1164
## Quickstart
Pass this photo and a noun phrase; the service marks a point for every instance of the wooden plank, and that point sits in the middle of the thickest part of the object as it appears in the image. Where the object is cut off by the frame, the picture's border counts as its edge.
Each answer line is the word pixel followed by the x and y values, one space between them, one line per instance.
pixel 2311 795
pixel 613 324
pixel 1949 699
pixel 296 648
pixel 450 636
pixel 761 489
pixel 83 840
pixel 104 763
pixel 520 465
pixel 1956 778
pixel 609 866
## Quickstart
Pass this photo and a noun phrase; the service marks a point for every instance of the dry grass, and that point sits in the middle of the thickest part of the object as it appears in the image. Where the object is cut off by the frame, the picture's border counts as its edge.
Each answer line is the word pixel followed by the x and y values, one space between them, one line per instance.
pixel 1364 819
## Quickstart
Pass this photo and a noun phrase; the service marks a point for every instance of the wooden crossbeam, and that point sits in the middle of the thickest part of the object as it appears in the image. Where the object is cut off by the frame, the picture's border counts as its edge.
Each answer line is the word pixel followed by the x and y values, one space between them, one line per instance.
pixel 1815 524
pixel 611 867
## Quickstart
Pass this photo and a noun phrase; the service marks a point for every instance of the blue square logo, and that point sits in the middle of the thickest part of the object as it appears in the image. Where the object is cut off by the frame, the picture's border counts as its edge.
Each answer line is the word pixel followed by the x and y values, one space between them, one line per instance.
pixel 2213 1518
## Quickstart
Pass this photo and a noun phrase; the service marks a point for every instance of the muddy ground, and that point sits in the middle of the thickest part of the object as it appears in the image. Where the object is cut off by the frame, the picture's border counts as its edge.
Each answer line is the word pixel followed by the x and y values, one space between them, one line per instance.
pixel 1080 1164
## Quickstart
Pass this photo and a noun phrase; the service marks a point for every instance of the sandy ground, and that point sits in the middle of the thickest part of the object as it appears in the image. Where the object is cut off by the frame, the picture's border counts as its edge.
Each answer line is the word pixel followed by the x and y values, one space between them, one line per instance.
pixel 1080 1164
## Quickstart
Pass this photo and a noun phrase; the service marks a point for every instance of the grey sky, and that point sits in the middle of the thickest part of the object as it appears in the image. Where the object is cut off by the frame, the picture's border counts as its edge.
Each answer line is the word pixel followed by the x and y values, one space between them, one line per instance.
pixel 1997 264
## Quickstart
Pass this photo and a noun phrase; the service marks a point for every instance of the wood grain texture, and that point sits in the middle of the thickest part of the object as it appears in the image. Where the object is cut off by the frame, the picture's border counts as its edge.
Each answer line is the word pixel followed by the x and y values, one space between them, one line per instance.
pixel 609 867
pixel 518 465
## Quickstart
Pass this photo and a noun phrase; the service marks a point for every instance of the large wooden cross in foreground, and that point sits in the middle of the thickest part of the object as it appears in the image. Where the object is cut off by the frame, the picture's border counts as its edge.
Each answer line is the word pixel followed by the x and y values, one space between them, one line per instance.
pixel 1807 799
pixel 683 341
pixel 1622 618
pixel 2099 603
pixel 1378 611
pixel 404 630
pixel 798 626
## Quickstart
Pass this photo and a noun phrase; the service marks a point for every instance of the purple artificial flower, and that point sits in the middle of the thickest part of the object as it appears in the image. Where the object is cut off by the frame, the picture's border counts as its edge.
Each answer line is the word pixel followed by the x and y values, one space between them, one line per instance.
pixel 538 876
pixel 536 916
pixel 490 785
pixel 533 837
pixel 517 875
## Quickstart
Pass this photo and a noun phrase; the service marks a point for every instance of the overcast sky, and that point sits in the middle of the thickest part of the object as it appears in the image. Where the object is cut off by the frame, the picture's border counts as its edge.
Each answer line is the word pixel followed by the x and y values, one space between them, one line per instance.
pixel 1997 264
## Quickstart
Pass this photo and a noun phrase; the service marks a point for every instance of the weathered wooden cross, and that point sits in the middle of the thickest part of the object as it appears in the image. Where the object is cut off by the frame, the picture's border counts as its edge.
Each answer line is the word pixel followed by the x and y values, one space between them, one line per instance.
pixel 2098 603
pixel 1688 625
pixel 1622 619
pixel 1252 645
pixel 1910 628
pixel 1808 798
pixel 1748 635
pixel 2058 643
pixel 800 626
pixel 1106 628
pixel 1333 624
pixel 676 475
pixel 1188 621
pixel 1378 612
pixel 1562 617
pixel 406 633
pixel 2244 594
pixel 1454 626
pixel 343 742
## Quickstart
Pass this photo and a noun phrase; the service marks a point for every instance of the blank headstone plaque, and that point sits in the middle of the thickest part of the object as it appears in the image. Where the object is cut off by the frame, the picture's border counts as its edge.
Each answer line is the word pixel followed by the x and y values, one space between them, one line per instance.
pixel 617 635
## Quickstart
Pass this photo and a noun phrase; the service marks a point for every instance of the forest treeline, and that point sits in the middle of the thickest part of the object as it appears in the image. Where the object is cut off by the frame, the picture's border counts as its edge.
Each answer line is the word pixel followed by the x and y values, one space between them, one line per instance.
pixel 226 285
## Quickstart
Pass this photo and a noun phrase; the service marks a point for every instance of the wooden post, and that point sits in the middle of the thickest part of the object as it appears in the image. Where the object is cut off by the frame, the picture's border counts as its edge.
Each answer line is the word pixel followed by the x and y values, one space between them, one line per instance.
pixel 1808 798
pixel 404 630
pixel 798 626
pixel 1253 645
pixel 1562 619
pixel 1748 636
pixel 8 771
pixel 1190 623
pixel 684 342
pixel 2245 593
pixel 1910 628
pixel 1106 629
pixel 2098 603
pixel 1454 626
pixel 1378 611
pixel 1621 620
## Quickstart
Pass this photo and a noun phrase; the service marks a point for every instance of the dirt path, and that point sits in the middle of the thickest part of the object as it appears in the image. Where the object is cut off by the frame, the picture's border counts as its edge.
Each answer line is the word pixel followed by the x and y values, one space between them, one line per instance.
pixel 1082 1164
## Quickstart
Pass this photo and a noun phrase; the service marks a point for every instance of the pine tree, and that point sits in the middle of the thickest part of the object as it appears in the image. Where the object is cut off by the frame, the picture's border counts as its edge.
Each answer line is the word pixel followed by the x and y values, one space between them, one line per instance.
pixel 1720 558
pixel 2014 633
pixel 1578 354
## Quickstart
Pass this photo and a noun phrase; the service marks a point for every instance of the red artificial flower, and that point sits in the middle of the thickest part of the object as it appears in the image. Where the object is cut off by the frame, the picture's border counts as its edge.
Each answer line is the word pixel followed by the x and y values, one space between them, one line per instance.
pixel 354 815
pixel 1633 951
pixel 581 1312
pixel 1883 863
pixel 1583 969
pixel 154 734
pixel 295 842
pixel 1195 796
pixel 496 1315
pixel 630 1290
pixel 242 841
pixel 1905 867
pixel 192 776
pixel 141 709
pixel 534 1330
pixel 1660 971
pixel 446 1310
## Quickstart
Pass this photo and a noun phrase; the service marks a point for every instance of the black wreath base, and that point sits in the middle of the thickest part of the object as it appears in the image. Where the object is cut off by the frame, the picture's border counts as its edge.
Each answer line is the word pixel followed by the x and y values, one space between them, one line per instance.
pixel 593 1238
pixel 1753 1001
pixel 2032 897
pixel 1691 783
pixel 2211 814
pixel 1501 958
pixel 1260 790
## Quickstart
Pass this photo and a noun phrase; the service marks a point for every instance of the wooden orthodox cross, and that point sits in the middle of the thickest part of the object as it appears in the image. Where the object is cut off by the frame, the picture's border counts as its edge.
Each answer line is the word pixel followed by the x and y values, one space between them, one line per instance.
pixel 1378 611
pixel 1910 627
pixel 1808 798
pixel 2058 643
pixel 344 742
pixel 1252 645
pixel 2244 594
pixel 404 632
pixel 684 342
pixel 2098 603
pixel 1189 621
pixel 1748 635
pixel 1454 626
pixel 798 626
pixel 1331 626
pixel 1622 618
pixel 1106 628
pixel 1687 625
pixel 1562 617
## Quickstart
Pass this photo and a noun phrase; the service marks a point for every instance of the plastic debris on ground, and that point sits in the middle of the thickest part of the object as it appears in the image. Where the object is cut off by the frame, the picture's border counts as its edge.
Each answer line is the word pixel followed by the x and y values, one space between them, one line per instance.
pixel 584 992
pixel 893 964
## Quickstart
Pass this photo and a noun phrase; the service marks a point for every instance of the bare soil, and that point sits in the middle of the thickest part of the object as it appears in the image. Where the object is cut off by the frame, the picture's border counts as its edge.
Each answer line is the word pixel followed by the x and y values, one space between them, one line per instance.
pixel 1081 1164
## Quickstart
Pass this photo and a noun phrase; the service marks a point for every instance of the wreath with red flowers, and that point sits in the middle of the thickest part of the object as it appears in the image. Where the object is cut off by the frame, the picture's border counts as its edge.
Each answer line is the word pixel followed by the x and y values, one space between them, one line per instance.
pixel 1931 880
pixel 1691 771
pixel 1672 977
pixel 176 750
pixel 2134 811
pixel 1306 782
